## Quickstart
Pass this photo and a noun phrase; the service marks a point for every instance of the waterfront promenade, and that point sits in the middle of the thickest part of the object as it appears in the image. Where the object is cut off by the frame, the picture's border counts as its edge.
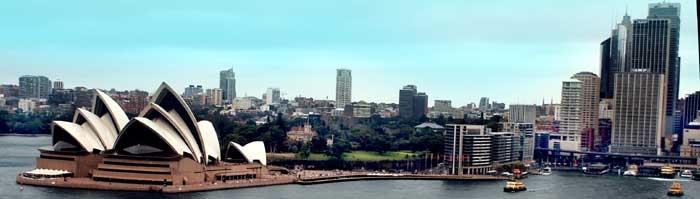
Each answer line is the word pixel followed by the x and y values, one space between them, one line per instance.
pixel 307 177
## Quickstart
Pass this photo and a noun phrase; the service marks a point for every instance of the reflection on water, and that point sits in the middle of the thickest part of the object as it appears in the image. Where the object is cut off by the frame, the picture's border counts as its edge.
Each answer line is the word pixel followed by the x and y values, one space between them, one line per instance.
pixel 18 154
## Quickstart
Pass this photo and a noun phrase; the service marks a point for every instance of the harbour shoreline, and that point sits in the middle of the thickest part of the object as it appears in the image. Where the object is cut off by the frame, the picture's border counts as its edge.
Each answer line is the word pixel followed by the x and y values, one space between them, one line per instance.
pixel 87 183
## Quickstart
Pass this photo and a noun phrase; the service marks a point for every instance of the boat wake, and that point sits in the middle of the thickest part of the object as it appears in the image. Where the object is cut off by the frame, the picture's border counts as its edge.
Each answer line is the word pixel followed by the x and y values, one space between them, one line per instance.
pixel 669 180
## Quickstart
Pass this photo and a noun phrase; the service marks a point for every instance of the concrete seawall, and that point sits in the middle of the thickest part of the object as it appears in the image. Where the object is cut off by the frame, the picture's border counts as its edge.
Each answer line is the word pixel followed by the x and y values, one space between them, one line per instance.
pixel 87 183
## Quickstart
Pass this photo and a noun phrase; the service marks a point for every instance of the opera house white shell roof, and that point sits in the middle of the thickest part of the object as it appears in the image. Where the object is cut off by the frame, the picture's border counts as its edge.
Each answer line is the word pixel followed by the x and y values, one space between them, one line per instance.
pixel 166 126
pixel 251 152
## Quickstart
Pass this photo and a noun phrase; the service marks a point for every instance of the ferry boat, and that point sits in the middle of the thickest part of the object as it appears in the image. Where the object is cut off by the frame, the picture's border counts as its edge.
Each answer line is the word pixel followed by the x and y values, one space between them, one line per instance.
pixel 687 174
pixel 514 186
pixel 675 190
pixel 667 172
pixel 596 169
pixel 546 171
pixel 631 171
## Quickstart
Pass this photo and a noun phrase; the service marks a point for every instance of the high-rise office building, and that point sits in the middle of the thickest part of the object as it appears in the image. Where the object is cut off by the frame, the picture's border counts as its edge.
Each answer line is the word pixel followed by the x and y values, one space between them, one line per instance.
pixel 649 51
pixel 343 88
pixel 420 105
pixel 58 84
pixel 227 84
pixel 570 109
pixel 406 98
pixel 34 87
pixel 589 108
pixel 690 108
pixel 638 121
pixel 522 113
pixel 484 103
pixel 656 36
pixel 612 56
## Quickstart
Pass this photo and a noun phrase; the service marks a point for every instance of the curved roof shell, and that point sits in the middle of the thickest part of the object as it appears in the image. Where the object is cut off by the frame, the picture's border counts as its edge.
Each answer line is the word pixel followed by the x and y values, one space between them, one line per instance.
pixel 154 111
pixel 170 101
pixel 211 140
pixel 135 130
pixel 83 134
pixel 104 106
pixel 106 134
pixel 252 152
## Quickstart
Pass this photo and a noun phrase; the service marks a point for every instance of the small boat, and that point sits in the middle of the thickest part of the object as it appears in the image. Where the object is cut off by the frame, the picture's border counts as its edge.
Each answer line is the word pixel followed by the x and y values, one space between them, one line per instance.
pixel 687 174
pixel 631 171
pixel 596 169
pixel 546 171
pixel 514 186
pixel 667 172
pixel 675 190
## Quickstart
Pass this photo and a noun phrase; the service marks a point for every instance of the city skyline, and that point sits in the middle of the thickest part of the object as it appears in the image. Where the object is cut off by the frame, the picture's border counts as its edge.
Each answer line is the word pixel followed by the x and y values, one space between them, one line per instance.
pixel 414 49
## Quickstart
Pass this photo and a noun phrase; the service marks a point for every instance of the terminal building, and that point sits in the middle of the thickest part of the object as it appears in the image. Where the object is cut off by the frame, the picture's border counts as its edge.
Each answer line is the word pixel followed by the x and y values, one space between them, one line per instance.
pixel 163 145
pixel 475 150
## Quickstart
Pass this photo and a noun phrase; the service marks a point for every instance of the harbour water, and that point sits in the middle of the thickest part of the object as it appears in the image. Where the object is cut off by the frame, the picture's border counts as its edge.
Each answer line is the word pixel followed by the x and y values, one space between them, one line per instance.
pixel 17 154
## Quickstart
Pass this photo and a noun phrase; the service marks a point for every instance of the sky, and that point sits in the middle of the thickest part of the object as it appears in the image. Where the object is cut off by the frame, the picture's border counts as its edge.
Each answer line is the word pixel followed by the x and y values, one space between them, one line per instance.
pixel 509 51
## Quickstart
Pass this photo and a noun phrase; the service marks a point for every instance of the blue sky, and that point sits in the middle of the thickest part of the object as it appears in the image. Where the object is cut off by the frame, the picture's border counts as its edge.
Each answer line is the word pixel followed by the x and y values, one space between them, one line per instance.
pixel 510 51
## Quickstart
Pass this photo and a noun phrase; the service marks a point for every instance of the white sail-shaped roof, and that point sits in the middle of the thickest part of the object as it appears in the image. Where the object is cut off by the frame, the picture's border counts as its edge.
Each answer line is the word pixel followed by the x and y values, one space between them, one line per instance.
pixel 113 111
pixel 154 111
pixel 211 140
pixel 102 130
pixel 83 134
pixel 254 151
pixel 170 101
pixel 159 126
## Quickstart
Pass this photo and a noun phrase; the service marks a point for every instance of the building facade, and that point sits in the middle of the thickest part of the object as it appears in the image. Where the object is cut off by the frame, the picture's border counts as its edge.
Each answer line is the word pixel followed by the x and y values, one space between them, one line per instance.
pixel 589 108
pixel 522 113
pixel 34 87
pixel 638 120
pixel 227 84
pixel 343 88
pixel 214 97
pixel 570 109
pixel 468 149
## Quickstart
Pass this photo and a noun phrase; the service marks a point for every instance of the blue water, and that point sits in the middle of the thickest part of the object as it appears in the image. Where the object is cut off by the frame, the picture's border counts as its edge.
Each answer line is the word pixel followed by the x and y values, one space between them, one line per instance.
pixel 19 153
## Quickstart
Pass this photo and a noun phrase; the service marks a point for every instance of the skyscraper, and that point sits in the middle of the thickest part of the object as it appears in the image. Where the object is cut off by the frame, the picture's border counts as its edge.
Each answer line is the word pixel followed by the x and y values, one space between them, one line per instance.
pixel 612 56
pixel 570 108
pixel 590 85
pixel 420 105
pixel 406 97
pixel 227 84
pixel 34 87
pixel 343 88
pixel 522 113
pixel 638 121
pixel 649 51
pixel 484 103
pixel 672 13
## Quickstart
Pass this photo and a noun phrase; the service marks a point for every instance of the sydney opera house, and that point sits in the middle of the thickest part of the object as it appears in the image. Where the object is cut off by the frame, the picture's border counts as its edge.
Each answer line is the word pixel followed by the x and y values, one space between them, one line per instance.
pixel 164 148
